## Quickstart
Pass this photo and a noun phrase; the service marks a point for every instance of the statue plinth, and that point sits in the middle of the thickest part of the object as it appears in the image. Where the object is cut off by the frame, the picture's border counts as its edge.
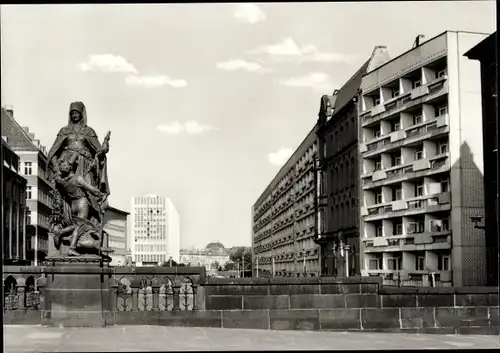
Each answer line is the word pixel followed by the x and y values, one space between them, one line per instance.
pixel 77 291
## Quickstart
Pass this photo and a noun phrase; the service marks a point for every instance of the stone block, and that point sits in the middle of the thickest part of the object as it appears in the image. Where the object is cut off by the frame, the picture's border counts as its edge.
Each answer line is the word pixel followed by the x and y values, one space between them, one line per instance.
pixel 362 301
pixel 294 320
pixel 208 318
pixel 417 318
pixel 223 302
pixel 76 318
pixel 340 319
pixel 399 301
pixel 488 330
pixel 493 314
pixel 284 289
pixel 476 299
pixel 259 302
pixel 340 288
pixel 435 300
pixel 369 288
pixel 75 300
pixel 461 317
pixel 386 318
pixel 246 319
pixel 317 301
pixel 236 290
pixel 75 281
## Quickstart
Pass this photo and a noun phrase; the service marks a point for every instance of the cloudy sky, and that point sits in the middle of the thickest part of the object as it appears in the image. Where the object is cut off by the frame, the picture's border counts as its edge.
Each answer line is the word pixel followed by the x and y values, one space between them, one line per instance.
pixel 205 101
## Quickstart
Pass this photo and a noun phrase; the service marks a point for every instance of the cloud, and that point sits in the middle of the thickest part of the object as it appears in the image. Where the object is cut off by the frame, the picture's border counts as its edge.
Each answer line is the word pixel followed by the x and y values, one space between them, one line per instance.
pixel 317 80
pixel 249 13
pixel 287 49
pixel 107 63
pixel 279 157
pixel 239 64
pixel 154 81
pixel 189 127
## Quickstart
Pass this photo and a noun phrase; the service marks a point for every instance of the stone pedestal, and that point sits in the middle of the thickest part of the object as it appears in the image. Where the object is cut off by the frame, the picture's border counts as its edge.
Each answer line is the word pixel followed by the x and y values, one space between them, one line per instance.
pixel 77 292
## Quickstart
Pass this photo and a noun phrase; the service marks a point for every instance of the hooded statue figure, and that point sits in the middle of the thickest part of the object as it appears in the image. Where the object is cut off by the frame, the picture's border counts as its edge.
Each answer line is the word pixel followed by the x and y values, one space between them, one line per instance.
pixel 77 146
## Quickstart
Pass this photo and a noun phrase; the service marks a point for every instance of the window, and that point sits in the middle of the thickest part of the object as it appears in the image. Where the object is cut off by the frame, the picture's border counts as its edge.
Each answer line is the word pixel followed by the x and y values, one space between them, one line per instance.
pixel 419 188
pixel 442 148
pixel 420 263
pixel 395 92
pixel 376 100
pixel 396 160
pixel 440 225
pixel 27 168
pixel 375 264
pixel 398 227
pixel 378 197
pixel 443 263
pixel 419 153
pixel 28 192
pixel 415 227
pixel 416 83
pixel 376 133
pixel 394 263
pixel 378 232
pixel 395 125
pixel 397 193
pixel 445 185
pixel 378 165
pixel 441 110
pixel 28 217
pixel 441 73
pixel 417 118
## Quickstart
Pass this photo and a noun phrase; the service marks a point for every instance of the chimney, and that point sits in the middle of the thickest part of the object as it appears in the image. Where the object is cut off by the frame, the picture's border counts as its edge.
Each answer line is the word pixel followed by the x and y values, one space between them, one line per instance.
pixel 32 135
pixel 9 109
pixel 418 41
pixel 26 129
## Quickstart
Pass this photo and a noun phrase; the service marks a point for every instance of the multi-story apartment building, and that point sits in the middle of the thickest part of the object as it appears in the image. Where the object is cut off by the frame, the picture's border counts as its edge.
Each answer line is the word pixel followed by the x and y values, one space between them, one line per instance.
pixel 284 218
pixel 115 225
pixel 421 166
pixel 485 52
pixel 13 209
pixel 337 134
pixel 34 167
pixel 154 232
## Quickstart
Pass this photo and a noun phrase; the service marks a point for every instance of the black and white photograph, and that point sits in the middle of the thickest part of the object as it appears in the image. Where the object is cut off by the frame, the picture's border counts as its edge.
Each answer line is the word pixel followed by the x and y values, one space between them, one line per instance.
pixel 249 176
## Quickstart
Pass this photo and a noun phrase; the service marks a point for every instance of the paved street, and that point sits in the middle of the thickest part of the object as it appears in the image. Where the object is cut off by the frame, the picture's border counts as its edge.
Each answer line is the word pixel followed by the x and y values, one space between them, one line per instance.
pixel 160 338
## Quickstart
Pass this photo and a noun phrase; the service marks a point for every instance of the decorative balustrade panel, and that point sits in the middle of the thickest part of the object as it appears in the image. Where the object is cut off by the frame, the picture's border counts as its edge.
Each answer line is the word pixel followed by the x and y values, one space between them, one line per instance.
pixel 21 288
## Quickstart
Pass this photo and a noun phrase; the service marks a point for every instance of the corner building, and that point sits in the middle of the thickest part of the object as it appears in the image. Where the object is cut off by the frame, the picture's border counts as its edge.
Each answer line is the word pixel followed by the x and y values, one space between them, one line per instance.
pixel 284 219
pixel 485 52
pixel 421 164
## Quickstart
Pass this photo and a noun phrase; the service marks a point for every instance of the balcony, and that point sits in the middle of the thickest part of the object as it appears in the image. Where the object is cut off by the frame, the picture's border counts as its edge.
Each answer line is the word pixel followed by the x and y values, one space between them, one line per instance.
pixel 422 204
pixel 415 169
pixel 419 95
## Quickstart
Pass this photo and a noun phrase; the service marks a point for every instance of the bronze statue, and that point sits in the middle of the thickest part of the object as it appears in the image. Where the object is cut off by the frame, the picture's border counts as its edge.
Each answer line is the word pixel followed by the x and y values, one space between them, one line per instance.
pixel 78 164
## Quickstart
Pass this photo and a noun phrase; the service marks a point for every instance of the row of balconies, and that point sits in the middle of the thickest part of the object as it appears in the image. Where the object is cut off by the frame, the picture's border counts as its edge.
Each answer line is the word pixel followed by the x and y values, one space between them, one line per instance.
pixel 282 241
pixel 276 193
pixel 282 224
pixel 410 278
pixel 400 103
pixel 263 207
pixel 401 138
pixel 408 171
pixel 304 189
pixel 283 207
pixel 263 235
pixel 427 203
pixel 303 168
pixel 43 243
pixel 414 242
pixel 304 233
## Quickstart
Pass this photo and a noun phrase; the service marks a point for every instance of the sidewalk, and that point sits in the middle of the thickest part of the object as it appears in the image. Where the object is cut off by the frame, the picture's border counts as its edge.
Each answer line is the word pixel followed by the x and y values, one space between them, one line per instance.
pixel 160 338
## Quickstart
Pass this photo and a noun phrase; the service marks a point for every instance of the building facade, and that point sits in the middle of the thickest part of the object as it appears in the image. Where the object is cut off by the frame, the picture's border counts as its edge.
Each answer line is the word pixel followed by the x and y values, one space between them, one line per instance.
pixel 13 209
pixel 338 233
pixel 213 256
pixel 115 225
pixel 284 218
pixel 485 52
pixel 154 231
pixel 421 164
pixel 34 168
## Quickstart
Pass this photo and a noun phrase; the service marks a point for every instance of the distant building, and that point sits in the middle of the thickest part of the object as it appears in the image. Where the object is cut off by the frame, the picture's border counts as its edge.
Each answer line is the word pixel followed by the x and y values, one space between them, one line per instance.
pixel 421 165
pixel 34 167
pixel 115 225
pixel 13 209
pixel 284 218
pixel 154 232
pixel 339 177
pixel 485 52
pixel 214 254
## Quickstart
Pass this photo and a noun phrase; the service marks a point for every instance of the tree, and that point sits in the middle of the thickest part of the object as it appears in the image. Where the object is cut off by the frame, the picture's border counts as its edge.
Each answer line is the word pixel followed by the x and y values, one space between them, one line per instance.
pixel 215 265
pixel 167 264
pixel 242 253
pixel 229 266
